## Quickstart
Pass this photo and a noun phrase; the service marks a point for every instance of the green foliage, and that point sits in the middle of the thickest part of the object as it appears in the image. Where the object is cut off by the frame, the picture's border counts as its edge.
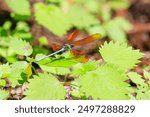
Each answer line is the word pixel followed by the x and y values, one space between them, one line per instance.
pixel 119 25
pixel 108 79
pixel 83 68
pixel 55 70
pixel 22 30
pixel 7 25
pixel 3 94
pixel 57 61
pixel 55 1
pixel 43 41
pixel 52 18
pixel 2 83
pixel 49 88
pixel 147 75
pixel 17 70
pixel 80 18
pixel 104 83
pixel 67 62
pixel 21 47
pixel 119 4
pixel 142 89
pixel 58 66
pixel 19 7
pixel 94 79
pixel 120 55
pixel 4 70
pixel 17 73
pixel 136 78
pixel 97 29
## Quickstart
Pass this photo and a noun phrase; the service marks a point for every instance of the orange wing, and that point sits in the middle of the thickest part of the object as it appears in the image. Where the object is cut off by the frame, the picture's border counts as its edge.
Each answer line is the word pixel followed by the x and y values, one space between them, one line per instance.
pixel 87 39
pixel 72 36
pixel 56 47
pixel 80 56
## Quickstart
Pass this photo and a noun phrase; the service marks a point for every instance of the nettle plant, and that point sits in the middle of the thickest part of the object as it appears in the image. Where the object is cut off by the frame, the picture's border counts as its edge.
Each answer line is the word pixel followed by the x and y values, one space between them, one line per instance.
pixel 93 16
pixel 103 79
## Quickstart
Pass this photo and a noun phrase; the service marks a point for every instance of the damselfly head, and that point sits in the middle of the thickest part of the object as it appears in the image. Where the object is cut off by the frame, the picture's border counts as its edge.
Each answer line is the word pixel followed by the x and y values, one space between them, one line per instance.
pixel 67 47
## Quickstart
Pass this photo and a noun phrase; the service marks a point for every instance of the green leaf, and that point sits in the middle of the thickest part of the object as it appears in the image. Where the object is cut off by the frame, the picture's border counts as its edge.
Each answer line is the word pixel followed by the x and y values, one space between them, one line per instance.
pixel 119 25
pixel 7 25
pixel 21 47
pixel 123 23
pixel 43 41
pixel 56 62
pixel 83 68
pixel 136 78
pixel 55 1
pixel 58 66
pixel 4 70
pixel 81 18
pixel 119 4
pixel 45 87
pixel 3 94
pixel 62 62
pixel 105 83
pixel 111 29
pixel 143 95
pixel 92 6
pixel 16 72
pixel 120 55
pixel 22 26
pixel 20 7
pixel 55 70
pixel 2 83
pixel 146 74
pixel 97 29
pixel 52 18
pixel 105 13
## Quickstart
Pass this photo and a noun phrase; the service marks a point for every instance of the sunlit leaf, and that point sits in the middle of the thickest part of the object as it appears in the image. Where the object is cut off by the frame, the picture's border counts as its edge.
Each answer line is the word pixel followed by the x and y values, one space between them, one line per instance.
pixel 20 7
pixel 21 47
pixel 17 69
pixel 147 75
pixel 136 78
pixel 120 55
pixel 52 18
pixel 2 83
pixel 3 94
pixel 81 18
pixel 4 70
pixel 45 87
pixel 104 83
